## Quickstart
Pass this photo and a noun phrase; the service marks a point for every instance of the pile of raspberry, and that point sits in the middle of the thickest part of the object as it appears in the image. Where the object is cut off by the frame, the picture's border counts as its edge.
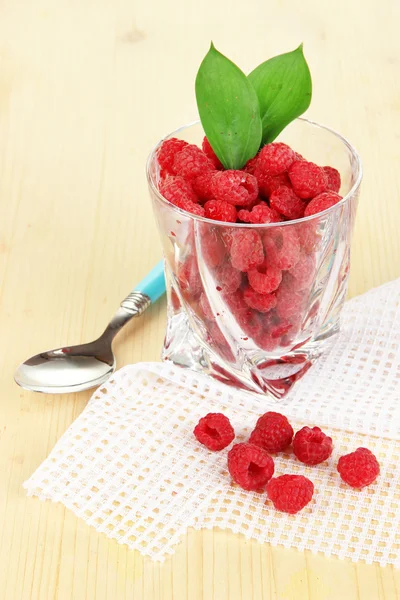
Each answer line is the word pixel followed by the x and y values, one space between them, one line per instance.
pixel 264 275
pixel 251 465
pixel 276 185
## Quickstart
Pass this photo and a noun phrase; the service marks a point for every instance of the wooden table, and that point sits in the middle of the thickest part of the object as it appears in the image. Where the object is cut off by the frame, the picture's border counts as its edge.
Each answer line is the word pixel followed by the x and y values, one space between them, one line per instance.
pixel 86 88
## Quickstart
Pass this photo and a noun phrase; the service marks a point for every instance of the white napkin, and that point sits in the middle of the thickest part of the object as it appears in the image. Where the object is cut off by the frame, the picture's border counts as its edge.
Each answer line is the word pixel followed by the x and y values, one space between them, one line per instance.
pixel 131 467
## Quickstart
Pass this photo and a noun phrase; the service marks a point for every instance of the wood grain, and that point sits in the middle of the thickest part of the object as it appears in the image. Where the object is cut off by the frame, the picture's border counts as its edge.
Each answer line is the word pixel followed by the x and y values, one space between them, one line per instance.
pixel 86 89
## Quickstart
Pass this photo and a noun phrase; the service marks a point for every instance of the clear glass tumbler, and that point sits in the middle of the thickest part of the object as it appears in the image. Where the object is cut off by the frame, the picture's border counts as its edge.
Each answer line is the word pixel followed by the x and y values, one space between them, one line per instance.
pixel 215 326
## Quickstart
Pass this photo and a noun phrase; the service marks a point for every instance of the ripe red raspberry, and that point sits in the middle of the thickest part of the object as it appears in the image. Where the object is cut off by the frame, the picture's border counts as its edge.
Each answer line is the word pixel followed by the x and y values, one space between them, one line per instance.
pixel 250 466
pixel 289 302
pixel 246 249
pixel 268 184
pixel 219 210
pixel 308 179
pixel 321 203
pixel 273 432
pixel 191 162
pixel 275 158
pixel 280 329
pixel 166 153
pixel 358 469
pixel 251 164
pixel 189 277
pixel 285 202
pixel 290 493
pixel 213 249
pixel 312 446
pixel 261 213
pixel 178 191
pixel 303 271
pixel 236 187
pixel 202 186
pixel 333 177
pixel 261 302
pixel 194 209
pixel 227 278
pixel 282 247
pixel 209 152
pixel 265 278
pixel 214 431
pixel 308 236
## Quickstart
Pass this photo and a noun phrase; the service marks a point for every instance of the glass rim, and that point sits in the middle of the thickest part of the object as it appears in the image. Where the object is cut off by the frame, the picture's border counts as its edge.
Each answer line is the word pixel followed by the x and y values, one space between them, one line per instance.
pixel 186 214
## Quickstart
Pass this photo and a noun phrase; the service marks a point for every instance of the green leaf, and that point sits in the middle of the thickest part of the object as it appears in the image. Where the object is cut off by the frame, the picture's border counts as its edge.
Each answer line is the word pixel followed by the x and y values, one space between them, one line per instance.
pixel 229 110
pixel 283 86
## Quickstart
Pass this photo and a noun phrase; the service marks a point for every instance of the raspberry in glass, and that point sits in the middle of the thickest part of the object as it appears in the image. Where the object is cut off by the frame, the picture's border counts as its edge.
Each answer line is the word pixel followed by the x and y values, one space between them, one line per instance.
pixel 202 186
pixel 190 162
pixel 250 467
pixel 246 249
pixel 307 179
pixel 219 210
pixel 166 153
pixel 213 249
pixel 275 158
pixel 228 278
pixel 268 184
pixel 285 202
pixel 214 431
pixel 303 271
pixel 322 202
pixel 178 191
pixel 209 152
pixel 265 278
pixel 261 302
pixel 282 247
pixel 260 213
pixel 333 179
pixel 189 276
pixel 236 187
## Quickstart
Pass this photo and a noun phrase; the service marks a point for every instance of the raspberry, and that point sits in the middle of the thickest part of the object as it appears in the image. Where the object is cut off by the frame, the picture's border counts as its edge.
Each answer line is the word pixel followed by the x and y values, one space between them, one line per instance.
pixel 191 162
pixel 289 302
pixel 250 466
pixel 308 236
pixel 312 446
pixel 321 203
pixel 228 278
pixel 265 341
pixel 236 187
pixel 273 432
pixel 212 248
pixel 268 184
pixel 178 191
pixel 285 202
pixel 260 302
pixel 281 329
pixel 202 185
pixel 251 164
pixel 209 152
pixel 261 213
pixel 166 153
pixel 246 249
pixel 290 493
pixel 275 158
pixel 307 179
pixel 282 247
pixel 214 431
pixel 265 278
pixel 194 209
pixel 303 271
pixel 219 210
pixel 189 277
pixel 206 308
pixel 218 342
pixel 333 177
pixel 359 468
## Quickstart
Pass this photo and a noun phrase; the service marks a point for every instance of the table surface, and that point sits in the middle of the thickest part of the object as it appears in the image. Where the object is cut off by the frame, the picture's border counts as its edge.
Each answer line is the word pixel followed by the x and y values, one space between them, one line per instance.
pixel 86 89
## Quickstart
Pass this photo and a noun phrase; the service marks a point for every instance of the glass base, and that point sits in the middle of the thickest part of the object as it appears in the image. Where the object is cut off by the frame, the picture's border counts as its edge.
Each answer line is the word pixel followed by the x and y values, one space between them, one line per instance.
pixel 262 374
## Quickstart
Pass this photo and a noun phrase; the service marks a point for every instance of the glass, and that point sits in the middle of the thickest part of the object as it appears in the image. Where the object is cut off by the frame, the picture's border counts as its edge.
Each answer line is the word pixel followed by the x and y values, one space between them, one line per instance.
pixel 214 326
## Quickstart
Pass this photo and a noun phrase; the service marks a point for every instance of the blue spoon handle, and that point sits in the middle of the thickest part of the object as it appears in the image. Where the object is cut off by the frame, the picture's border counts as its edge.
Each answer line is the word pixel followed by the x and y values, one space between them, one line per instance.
pixel 153 285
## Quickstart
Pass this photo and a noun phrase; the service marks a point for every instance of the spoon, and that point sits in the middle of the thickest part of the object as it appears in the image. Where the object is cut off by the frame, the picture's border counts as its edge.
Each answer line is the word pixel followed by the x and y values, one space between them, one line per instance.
pixel 85 366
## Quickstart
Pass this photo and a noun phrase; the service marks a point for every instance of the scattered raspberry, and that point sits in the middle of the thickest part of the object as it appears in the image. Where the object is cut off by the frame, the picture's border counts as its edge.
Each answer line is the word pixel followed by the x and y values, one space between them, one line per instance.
pixel 209 152
pixel 250 466
pixel 265 278
pixel 214 431
pixel 282 247
pixel 312 446
pixel 166 153
pixel 178 191
pixel 236 187
pixel 275 158
pixel 189 276
pixel 202 185
pixel 228 278
pixel 290 493
pixel 285 202
pixel 212 248
pixel 190 162
pixel 246 249
pixel 321 203
pixel 260 302
pixel 273 432
pixel 251 164
pixel 219 210
pixel 303 271
pixel 359 468
pixel 333 177
pixel 268 184
pixel 261 213
pixel 289 302
pixel 307 179
pixel 206 308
